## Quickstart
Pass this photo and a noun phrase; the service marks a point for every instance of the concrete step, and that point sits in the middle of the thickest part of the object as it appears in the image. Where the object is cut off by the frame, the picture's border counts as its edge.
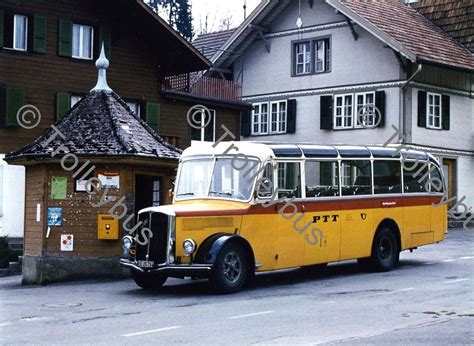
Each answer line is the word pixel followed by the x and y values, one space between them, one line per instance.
pixel 15 267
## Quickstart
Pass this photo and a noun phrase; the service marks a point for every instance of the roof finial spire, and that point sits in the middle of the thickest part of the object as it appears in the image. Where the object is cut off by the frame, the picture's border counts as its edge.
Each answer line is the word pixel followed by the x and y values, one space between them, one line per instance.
pixel 102 64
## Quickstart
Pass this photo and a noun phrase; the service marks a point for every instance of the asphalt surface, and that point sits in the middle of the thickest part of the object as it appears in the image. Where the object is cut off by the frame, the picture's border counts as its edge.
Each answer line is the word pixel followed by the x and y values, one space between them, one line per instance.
pixel 428 299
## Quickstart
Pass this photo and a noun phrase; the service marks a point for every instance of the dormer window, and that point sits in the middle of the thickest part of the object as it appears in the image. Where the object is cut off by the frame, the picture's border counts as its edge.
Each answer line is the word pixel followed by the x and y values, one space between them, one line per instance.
pixel 82 41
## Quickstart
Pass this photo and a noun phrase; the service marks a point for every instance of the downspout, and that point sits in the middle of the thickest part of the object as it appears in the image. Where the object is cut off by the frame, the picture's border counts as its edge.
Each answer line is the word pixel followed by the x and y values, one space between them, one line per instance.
pixel 401 117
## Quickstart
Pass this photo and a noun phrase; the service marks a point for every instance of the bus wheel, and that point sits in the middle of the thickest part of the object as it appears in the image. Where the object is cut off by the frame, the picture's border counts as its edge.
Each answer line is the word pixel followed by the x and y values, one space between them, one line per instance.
pixel 148 281
pixel 230 272
pixel 385 252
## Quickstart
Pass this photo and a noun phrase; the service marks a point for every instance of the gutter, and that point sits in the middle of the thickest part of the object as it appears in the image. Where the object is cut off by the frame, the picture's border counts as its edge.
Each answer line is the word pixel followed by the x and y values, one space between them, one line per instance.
pixel 401 116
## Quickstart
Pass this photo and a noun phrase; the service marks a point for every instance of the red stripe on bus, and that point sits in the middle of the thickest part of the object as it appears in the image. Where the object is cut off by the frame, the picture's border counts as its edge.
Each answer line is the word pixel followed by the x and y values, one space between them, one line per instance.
pixel 320 206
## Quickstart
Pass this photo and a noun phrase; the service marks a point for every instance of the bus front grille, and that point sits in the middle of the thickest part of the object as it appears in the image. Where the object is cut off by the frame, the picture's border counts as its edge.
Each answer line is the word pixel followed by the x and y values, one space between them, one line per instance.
pixel 156 246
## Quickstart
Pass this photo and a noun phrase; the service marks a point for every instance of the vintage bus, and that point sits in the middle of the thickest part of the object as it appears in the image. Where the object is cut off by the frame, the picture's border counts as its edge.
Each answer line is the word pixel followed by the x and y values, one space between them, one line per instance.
pixel 243 207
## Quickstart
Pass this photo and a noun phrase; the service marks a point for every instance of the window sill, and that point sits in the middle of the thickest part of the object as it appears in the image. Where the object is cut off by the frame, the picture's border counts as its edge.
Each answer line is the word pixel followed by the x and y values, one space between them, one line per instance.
pixel 309 74
pixel 268 134
pixel 15 51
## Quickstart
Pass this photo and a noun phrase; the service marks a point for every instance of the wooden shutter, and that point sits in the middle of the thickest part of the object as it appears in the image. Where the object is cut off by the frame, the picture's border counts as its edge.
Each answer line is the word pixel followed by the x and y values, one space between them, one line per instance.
pixel 291 116
pixel 380 104
pixel 245 123
pixel 7 29
pixel 65 38
pixel 445 112
pixel 63 104
pixel 40 26
pixel 105 36
pixel 3 109
pixel 326 113
pixel 15 99
pixel 153 115
pixel 421 108
pixel 1 27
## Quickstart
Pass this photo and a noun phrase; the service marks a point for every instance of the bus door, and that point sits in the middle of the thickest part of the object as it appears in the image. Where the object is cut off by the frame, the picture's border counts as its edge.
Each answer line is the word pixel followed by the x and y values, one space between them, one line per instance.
pixel 357 213
pixel 417 203
pixel 322 205
pixel 289 243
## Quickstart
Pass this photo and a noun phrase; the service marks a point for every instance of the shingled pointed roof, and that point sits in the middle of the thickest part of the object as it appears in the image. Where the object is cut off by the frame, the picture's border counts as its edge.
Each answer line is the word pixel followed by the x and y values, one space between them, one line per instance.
pixel 407 31
pixel 209 44
pixel 456 17
pixel 101 124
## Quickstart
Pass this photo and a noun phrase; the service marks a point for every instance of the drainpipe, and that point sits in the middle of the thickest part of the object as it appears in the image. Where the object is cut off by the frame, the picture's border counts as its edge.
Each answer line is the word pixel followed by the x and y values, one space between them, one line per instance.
pixel 401 118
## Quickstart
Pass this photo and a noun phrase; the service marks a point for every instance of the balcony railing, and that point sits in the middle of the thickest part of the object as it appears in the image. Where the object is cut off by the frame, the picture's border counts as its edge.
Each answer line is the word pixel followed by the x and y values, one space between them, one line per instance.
pixel 204 86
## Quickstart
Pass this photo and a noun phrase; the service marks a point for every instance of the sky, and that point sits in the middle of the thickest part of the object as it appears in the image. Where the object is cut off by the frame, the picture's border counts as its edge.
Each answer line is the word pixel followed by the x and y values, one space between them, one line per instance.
pixel 217 10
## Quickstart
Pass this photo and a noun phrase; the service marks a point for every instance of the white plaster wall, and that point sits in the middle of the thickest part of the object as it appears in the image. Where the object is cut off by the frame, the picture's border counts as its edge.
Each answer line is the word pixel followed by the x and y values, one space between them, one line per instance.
pixel 321 13
pixel 353 62
pixel 308 125
pixel 461 133
pixel 12 196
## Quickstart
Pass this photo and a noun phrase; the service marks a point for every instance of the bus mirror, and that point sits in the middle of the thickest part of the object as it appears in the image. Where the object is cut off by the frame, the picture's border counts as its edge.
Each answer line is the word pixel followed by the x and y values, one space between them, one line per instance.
pixel 264 188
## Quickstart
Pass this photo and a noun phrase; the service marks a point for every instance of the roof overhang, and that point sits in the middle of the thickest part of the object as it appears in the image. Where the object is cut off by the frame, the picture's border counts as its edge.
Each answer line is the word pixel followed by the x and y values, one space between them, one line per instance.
pixel 245 34
pixel 195 60
pixel 382 36
pixel 212 101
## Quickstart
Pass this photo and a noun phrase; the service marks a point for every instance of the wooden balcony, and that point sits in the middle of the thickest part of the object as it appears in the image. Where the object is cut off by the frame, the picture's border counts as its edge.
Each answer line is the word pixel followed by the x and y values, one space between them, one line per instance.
pixel 204 86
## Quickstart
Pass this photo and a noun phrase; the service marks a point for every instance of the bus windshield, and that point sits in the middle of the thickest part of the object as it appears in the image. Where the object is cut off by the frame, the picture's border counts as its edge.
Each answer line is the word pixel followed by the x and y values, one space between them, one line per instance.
pixel 220 177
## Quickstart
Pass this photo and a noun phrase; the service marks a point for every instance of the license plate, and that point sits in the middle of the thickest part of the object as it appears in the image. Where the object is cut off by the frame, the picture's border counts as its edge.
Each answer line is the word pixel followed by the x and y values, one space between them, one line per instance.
pixel 146 264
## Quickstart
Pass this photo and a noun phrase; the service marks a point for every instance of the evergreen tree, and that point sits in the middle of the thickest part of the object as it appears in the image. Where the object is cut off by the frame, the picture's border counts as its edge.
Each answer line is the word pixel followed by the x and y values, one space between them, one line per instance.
pixel 177 13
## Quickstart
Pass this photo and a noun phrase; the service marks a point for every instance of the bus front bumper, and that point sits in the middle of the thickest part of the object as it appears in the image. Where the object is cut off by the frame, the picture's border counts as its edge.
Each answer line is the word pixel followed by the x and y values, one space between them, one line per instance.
pixel 173 270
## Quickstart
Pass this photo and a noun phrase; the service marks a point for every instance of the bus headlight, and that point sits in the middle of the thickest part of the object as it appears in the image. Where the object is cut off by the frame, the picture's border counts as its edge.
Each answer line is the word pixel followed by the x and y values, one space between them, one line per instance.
pixel 189 246
pixel 127 242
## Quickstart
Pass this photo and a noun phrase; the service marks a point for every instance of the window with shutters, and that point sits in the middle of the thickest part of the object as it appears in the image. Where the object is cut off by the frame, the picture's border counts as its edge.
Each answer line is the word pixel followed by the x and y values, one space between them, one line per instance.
pixel 278 117
pixel 82 41
pixel 15 32
pixel 343 109
pixel 360 110
pixel 270 118
pixel 365 111
pixel 433 111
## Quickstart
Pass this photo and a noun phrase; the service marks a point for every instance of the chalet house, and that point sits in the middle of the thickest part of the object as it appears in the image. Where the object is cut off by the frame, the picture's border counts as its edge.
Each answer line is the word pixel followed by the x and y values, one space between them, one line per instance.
pixel 47 54
pixel 315 69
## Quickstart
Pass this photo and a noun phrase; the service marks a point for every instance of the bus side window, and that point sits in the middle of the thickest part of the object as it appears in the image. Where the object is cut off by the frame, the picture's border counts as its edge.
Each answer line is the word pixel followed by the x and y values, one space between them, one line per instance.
pixel 436 181
pixel 415 176
pixel 322 179
pixel 266 185
pixel 387 177
pixel 289 179
pixel 356 177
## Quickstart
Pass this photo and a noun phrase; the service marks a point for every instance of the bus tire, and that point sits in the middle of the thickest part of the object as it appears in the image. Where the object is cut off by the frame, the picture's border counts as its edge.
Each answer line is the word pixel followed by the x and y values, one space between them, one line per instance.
pixel 231 269
pixel 385 252
pixel 149 281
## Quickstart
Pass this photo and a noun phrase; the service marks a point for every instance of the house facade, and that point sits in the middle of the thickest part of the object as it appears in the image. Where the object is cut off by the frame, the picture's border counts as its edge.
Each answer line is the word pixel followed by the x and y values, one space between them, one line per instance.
pixel 356 72
pixel 47 55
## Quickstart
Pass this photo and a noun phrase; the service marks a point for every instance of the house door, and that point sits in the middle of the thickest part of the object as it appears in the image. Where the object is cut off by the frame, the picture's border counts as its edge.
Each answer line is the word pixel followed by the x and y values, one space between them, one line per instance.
pixel 449 171
pixel 147 191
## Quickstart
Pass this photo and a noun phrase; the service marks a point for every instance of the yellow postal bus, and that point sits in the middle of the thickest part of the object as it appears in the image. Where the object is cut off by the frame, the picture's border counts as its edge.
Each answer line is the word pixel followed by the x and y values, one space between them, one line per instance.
pixel 243 207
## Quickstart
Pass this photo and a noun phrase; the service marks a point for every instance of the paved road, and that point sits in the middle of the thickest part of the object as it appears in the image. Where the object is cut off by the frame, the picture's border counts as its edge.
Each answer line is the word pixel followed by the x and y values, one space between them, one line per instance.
pixel 428 299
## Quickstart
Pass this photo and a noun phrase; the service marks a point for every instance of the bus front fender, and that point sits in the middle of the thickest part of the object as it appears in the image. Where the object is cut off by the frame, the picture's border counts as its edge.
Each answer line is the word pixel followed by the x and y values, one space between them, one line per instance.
pixel 209 250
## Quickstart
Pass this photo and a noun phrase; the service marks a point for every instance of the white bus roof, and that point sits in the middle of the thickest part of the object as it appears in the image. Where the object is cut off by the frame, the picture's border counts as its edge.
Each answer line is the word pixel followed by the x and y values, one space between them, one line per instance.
pixel 265 151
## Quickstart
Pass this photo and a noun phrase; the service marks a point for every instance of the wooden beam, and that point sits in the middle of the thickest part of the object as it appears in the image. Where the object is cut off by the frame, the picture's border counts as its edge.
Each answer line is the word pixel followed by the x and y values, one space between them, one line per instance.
pixel 351 26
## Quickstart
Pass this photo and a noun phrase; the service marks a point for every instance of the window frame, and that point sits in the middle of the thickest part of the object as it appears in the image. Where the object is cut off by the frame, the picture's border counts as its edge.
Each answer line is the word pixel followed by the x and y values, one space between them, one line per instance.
pixel 313 43
pixel 343 116
pixel 309 43
pixel 433 115
pixel 281 126
pixel 81 41
pixel 15 15
pixel 356 109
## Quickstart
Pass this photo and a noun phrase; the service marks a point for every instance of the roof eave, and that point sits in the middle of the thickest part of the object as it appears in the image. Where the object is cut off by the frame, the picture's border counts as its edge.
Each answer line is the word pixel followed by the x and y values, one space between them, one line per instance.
pixel 239 31
pixel 382 36
pixel 173 32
